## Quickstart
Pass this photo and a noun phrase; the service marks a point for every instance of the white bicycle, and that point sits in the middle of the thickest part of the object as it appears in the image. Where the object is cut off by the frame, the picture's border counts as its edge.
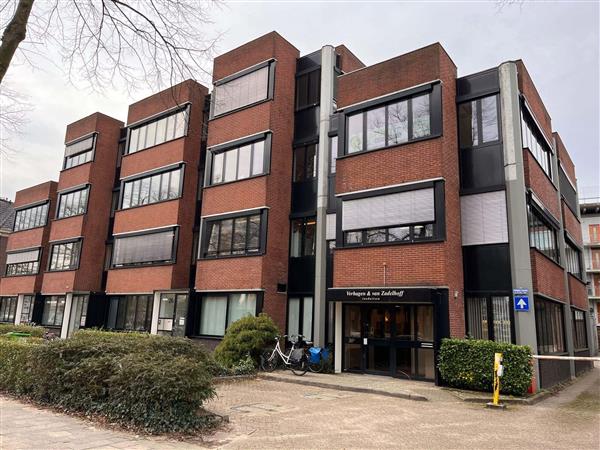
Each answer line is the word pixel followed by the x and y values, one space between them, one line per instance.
pixel 296 359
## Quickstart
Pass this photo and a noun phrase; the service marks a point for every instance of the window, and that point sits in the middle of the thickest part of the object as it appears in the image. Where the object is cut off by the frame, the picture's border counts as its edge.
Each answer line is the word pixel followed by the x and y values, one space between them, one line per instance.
pixel 549 324
pixel 234 236
pixel 333 148
pixel 80 152
pixel 32 217
pixel 305 163
pixel 483 218
pixel 303 237
pixel 573 256
pixel 54 310
pixel 237 163
pixel 542 235
pixel 73 203
pixel 130 312
pixel 169 304
pixel 595 258
pixel 594 232
pixel 153 188
pixel 218 311
pixel 579 330
pixel 8 309
pixel 65 256
pixel 247 89
pixel 79 308
pixel 390 124
pixel 156 247
pixel 308 89
pixel 300 317
pixel 478 122
pixel 489 317
pixel 534 141
pixel 405 216
pixel 27 309
pixel 168 127
pixel 23 263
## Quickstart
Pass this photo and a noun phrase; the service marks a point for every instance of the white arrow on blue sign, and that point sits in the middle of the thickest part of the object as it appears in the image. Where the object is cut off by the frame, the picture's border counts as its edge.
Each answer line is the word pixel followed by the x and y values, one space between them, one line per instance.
pixel 521 303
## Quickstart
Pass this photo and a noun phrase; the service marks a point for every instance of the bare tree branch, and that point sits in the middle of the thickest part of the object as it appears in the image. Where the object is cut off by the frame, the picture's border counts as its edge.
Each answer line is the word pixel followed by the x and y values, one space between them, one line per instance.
pixel 14 34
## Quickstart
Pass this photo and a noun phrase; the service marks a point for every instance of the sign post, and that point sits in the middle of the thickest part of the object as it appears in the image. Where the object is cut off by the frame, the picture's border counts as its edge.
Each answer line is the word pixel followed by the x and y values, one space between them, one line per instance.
pixel 498 371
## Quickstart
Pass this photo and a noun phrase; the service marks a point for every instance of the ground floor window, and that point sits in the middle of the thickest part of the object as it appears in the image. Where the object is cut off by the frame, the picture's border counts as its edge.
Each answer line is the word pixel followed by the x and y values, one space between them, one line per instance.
pixel 300 317
pixel 219 310
pixel 579 330
pixel 489 317
pixel 54 311
pixel 27 309
pixel 549 324
pixel 169 303
pixel 130 312
pixel 8 308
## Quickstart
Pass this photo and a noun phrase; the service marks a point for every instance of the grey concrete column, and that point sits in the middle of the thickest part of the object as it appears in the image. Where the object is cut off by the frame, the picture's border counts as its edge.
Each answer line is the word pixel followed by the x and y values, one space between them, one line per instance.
pixel 516 206
pixel 155 312
pixel 64 330
pixel 19 309
pixel 326 109
pixel 338 338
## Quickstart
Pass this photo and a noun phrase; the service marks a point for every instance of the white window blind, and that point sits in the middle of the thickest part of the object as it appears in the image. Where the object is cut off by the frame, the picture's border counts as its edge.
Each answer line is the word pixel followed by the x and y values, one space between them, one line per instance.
pixel 241 91
pixel 80 146
pixel 144 248
pixel 483 218
pixel 388 210
pixel 330 232
pixel 23 257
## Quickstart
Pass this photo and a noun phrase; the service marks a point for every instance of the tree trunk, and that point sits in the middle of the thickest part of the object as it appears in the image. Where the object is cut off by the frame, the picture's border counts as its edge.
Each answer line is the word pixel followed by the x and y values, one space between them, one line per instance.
pixel 13 35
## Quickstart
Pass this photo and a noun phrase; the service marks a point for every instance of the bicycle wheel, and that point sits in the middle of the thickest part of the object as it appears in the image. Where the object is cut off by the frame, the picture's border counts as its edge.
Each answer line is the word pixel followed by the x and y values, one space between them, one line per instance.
pixel 301 367
pixel 316 367
pixel 269 361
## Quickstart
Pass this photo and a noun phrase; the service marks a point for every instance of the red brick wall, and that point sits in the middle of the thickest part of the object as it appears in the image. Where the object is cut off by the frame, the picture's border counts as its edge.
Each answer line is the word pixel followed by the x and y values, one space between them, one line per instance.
pixel 571 223
pixel 578 293
pixel 235 196
pixel 528 89
pixel 139 280
pixel 548 277
pixel 564 157
pixel 348 60
pixel 3 242
pixel 536 179
pixel 230 273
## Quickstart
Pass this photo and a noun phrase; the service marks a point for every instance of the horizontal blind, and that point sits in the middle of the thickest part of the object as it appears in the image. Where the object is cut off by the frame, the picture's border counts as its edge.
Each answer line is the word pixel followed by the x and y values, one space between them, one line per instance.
pixel 23 257
pixel 81 146
pixel 144 248
pixel 330 232
pixel 483 218
pixel 389 210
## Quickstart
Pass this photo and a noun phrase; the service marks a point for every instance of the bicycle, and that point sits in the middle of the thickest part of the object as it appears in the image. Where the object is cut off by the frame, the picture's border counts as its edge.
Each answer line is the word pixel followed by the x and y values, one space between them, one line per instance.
pixel 296 359
pixel 317 357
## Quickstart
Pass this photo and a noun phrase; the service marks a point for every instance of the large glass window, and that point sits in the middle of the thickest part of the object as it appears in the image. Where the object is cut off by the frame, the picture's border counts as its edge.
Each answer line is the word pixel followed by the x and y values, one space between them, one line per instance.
pixel 218 311
pixel 542 235
pixel 242 91
pixel 549 324
pixel 233 236
pixel 27 309
pixel 534 141
pixel 35 216
pixel 478 121
pixel 153 188
pixel 156 247
pixel 163 129
pixel 489 317
pixel 130 312
pixel 303 237
pixel 23 262
pixel 238 163
pixel 54 311
pixel 300 317
pixel 8 309
pixel 573 256
pixel 80 152
pixel 579 330
pixel 391 124
pixel 333 149
pixel 305 162
pixel 308 89
pixel 73 203
pixel 65 255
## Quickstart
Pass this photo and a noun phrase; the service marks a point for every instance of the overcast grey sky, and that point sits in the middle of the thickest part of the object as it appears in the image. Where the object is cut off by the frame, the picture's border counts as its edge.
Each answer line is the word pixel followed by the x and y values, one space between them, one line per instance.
pixel 558 41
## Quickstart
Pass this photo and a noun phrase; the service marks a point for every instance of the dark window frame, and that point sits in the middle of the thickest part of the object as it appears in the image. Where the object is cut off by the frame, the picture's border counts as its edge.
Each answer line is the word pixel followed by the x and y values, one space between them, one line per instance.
pixel 122 307
pixel 32 206
pixel 577 253
pixel 58 298
pixel 302 298
pixel 8 308
pixel 550 326
pixel 579 329
pixel 174 246
pixel 527 120
pixel 478 100
pixel 62 194
pixel 535 212
pixel 27 313
pixel 150 174
pixel 91 151
pixel 304 150
pixel 33 271
pixel 298 105
pixel 64 242
pixel 304 222
pixel 490 312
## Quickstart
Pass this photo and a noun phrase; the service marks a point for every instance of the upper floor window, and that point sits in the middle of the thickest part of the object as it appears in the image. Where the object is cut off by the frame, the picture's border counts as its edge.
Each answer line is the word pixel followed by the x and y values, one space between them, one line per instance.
pixel 246 88
pixel 478 121
pixel 573 256
pixel 8 309
pixel 594 233
pixel 73 203
pixel 305 162
pixel 155 247
pixel 308 89
pixel 23 263
pixel 80 151
pixel 542 235
pixel 169 126
pixel 304 235
pixel 394 123
pixel 65 255
pixel 234 236
pixel 239 162
pixel 534 141
pixel 333 149
pixel 32 217
pixel 155 188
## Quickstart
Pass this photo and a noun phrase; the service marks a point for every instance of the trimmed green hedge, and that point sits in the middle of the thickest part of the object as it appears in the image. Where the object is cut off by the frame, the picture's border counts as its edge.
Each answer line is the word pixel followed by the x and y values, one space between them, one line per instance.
pixel 33 330
pixel 153 383
pixel 469 364
pixel 245 337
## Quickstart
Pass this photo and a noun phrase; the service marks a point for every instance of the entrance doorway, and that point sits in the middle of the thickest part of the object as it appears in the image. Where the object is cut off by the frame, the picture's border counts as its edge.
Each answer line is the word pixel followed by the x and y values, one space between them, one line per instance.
pixel 389 339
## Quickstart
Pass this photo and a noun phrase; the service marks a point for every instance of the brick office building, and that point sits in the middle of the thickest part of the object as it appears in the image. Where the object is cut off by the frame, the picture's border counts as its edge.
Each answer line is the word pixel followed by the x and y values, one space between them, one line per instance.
pixel 376 209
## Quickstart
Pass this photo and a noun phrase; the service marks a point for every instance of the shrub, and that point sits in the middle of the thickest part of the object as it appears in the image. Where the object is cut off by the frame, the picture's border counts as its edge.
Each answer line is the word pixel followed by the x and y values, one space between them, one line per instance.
pixel 15 367
pixel 469 363
pixel 33 330
pixel 247 336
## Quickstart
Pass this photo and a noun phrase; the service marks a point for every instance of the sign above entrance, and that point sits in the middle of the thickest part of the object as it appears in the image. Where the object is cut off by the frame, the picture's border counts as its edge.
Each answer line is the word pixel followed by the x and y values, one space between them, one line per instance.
pixel 521 299
pixel 383 294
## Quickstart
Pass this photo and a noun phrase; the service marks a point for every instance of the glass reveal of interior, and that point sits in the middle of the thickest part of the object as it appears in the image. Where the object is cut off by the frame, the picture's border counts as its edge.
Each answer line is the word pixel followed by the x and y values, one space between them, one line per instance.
pixel 549 326
pixel 218 311
pixel 534 141
pixel 156 247
pixel 303 237
pixel 152 189
pixel 166 128
pixel 168 309
pixel 23 262
pixel 233 236
pixel 130 312
pixel 8 309
pixel 573 257
pixel 333 149
pixel 73 203
pixel 65 255
pixel 308 89
pixel 489 317
pixel 478 122
pixel 238 163
pixel 300 317
pixel 27 309
pixel 305 163
pixel 35 216
pixel 579 330
pixel 54 311
pixel 542 235
pixel 80 152
pixel 242 91
pixel 391 124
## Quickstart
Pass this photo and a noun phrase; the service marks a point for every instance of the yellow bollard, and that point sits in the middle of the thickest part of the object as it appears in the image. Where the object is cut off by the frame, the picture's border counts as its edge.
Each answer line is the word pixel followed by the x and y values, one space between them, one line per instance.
pixel 498 370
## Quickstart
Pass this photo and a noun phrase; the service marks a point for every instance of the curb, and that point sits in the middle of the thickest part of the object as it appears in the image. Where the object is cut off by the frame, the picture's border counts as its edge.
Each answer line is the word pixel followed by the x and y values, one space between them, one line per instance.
pixel 532 400
pixel 298 380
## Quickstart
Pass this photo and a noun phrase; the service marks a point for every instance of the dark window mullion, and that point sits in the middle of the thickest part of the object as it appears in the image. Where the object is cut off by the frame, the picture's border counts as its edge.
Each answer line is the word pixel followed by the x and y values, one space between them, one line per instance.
pixel 409 118
pixel 386 126
pixel 479 122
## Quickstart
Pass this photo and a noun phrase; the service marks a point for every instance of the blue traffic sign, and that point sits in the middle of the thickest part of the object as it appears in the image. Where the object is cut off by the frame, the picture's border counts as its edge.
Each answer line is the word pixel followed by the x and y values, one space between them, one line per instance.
pixel 521 303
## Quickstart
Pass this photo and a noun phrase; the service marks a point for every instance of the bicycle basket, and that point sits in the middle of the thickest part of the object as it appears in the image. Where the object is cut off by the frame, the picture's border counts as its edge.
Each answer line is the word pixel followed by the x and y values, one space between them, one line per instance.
pixel 296 355
pixel 315 356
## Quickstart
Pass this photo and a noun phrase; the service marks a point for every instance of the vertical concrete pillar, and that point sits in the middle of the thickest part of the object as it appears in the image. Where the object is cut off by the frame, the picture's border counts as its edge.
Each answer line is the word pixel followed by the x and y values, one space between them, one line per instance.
pixel 518 229
pixel 64 330
pixel 155 311
pixel 338 338
pixel 326 109
pixel 19 309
